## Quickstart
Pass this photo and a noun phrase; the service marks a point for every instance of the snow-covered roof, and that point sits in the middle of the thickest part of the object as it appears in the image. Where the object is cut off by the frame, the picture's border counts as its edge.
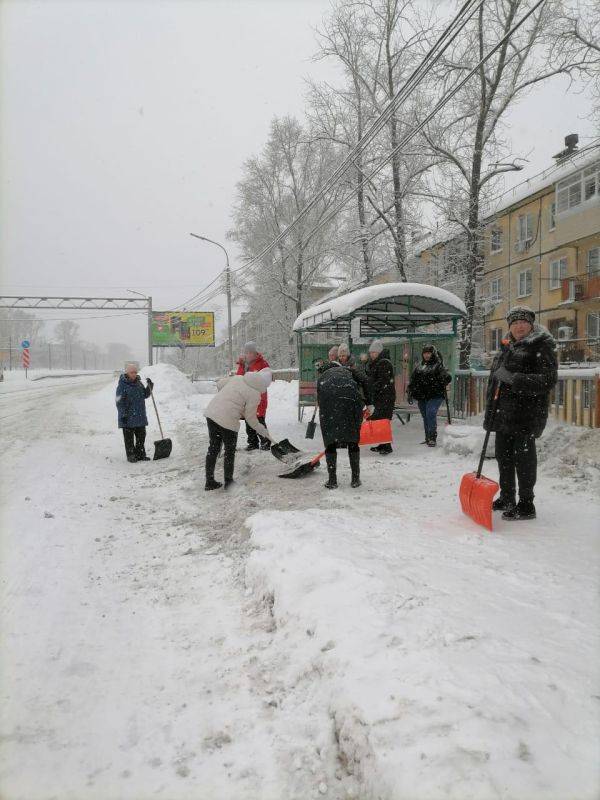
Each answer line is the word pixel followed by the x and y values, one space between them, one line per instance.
pixel 404 304
pixel 519 193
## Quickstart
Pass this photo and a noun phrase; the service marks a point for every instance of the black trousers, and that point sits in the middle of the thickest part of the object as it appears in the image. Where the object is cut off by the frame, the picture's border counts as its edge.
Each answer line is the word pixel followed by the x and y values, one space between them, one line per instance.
pixel 253 437
pixel 516 454
pixel 134 441
pixel 220 437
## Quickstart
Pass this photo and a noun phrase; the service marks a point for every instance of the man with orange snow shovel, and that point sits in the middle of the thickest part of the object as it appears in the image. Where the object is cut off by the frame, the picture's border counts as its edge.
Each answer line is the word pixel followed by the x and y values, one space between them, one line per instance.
pixel 525 369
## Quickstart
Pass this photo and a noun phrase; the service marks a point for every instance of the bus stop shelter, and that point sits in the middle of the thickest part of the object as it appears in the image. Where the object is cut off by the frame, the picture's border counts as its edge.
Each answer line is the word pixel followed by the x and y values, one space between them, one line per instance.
pixel 406 316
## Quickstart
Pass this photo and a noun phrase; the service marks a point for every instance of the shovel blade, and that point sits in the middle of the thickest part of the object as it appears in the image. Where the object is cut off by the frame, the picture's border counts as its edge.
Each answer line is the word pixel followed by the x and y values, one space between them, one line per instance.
pixel 476 498
pixel 282 449
pixel 311 429
pixel 300 470
pixel 162 448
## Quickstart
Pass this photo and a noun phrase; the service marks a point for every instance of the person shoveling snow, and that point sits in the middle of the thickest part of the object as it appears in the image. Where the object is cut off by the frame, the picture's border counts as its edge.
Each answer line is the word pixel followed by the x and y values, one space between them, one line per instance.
pixel 237 398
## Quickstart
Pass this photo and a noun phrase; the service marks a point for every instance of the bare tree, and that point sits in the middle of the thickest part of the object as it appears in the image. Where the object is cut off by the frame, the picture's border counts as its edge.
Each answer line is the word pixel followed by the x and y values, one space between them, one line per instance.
pixel 67 333
pixel 276 187
pixel 378 43
pixel 469 133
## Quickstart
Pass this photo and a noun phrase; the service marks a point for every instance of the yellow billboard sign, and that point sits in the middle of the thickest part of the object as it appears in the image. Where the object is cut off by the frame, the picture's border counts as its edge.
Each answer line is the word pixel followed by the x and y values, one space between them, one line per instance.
pixel 183 329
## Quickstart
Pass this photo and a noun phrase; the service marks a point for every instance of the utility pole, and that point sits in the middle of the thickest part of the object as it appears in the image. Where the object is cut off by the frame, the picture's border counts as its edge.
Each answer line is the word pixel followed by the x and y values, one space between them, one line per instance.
pixel 49 356
pixel 227 292
pixel 149 307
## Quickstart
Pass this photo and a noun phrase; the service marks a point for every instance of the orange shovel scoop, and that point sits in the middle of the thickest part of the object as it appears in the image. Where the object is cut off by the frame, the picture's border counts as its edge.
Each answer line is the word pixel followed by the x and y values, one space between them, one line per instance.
pixel 477 492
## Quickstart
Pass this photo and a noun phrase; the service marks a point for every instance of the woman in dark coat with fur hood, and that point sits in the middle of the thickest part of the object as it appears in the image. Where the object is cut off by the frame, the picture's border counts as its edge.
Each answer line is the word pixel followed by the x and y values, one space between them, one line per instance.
pixel 525 370
pixel 428 387
pixel 341 415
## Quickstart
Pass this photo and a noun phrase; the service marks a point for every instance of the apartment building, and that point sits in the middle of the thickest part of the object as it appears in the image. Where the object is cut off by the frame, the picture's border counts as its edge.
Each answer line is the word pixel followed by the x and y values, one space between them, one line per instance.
pixel 541 249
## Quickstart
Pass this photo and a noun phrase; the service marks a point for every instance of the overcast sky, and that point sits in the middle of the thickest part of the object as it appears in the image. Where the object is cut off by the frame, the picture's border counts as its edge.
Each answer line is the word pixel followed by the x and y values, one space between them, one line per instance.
pixel 124 127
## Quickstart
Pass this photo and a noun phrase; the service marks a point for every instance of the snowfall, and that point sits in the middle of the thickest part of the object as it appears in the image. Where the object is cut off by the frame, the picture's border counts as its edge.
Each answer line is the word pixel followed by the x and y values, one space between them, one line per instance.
pixel 281 641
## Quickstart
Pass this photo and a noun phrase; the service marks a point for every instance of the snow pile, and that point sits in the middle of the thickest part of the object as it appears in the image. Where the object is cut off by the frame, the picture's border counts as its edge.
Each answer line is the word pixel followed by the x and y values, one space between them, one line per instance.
pixel 572 455
pixel 564 452
pixel 170 382
pixel 466 440
pixel 433 651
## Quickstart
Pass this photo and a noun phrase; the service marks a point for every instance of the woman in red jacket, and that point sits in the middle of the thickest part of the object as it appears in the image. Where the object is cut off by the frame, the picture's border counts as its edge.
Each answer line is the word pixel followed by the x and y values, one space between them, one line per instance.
pixel 253 361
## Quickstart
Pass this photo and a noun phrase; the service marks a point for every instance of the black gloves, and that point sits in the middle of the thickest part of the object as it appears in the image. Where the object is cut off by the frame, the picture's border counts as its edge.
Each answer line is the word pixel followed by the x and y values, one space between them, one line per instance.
pixel 504 376
pixel 150 384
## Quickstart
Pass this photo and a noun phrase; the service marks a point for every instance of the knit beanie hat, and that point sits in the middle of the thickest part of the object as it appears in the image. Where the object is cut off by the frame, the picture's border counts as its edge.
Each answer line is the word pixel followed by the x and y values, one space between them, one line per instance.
pixel 520 312
pixel 343 350
pixel 376 346
pixel 250 347
pixel 429 348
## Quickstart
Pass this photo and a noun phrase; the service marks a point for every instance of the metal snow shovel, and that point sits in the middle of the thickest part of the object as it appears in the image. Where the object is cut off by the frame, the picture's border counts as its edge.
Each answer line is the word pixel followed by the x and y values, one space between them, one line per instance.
pixel 303 466
pixel 312 425
pixel 282 449
pixel 162 447
pixel 476 491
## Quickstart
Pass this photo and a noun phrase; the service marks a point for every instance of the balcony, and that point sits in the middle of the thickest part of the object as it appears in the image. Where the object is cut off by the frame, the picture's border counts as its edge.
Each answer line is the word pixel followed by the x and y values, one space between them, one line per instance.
pixel 580 289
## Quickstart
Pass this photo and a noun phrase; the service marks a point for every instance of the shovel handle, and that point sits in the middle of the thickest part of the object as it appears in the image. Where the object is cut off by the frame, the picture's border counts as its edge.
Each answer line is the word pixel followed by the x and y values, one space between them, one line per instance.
pixel 447 406
pixel 489 430
pixel 162 436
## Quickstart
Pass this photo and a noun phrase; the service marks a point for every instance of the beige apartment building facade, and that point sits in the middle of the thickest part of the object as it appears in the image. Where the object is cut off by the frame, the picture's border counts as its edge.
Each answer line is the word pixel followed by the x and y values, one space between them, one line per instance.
pixel 542 250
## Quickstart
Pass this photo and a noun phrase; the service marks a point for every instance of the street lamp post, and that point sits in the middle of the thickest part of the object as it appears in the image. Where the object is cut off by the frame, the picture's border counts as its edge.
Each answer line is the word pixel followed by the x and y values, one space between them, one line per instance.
pixel 227 291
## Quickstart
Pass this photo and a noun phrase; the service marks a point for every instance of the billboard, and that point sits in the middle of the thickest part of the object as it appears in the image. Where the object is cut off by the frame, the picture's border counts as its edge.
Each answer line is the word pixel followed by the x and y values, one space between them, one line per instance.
pixel 183 329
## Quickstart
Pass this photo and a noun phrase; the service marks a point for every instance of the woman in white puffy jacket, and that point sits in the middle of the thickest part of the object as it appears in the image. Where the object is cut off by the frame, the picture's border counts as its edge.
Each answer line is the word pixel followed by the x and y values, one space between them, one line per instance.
pixel 237 398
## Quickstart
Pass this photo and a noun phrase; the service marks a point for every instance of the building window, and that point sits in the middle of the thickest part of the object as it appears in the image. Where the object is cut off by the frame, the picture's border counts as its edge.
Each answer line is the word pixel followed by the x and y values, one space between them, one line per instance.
pixel 592 325
pixel 524 283
pixel 496 290
pixel 582 187
pixel 495 339
pixel 524 232
pixel 552 215
pixel 593 261
pixel 496 240
pixel 558 271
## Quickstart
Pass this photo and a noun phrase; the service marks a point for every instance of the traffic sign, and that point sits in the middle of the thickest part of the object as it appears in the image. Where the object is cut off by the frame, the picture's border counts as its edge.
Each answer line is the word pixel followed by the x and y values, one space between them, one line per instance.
pixel 26 358
pixel 25 344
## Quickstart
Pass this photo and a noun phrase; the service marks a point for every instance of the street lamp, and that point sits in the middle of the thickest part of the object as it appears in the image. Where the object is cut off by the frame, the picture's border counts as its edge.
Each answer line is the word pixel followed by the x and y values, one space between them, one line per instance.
pixel 227 290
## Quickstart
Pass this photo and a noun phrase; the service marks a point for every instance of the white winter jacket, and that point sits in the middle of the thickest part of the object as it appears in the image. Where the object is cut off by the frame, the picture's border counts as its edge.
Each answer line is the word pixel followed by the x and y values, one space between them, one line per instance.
pixel 237 398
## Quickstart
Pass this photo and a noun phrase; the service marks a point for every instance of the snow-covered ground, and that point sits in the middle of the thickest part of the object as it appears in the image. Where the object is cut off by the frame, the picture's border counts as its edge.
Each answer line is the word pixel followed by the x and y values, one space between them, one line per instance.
pixel 282 641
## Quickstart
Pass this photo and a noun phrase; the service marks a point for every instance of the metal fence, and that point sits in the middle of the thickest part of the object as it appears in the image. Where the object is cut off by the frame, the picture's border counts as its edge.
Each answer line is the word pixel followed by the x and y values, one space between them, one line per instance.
pixel 574 400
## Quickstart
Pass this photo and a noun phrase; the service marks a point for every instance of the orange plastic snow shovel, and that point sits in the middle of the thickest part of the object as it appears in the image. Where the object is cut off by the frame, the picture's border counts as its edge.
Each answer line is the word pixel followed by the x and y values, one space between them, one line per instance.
pixel 376 431
pixel 476 491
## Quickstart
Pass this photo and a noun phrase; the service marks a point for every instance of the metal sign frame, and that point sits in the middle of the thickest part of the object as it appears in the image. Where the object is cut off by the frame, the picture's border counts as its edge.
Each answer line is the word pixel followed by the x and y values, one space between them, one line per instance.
pixel 140 303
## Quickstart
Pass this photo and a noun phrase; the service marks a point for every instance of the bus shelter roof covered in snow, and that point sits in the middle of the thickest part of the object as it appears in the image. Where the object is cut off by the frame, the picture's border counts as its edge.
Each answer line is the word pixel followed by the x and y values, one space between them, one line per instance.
pixel 384 309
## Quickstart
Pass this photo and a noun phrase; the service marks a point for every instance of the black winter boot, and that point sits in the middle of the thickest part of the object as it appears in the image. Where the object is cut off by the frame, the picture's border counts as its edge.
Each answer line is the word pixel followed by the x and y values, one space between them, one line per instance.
pixel 331 459
pixel 504 503
pixel 432 440
pixel 211 484
pixel 523 510
pixel 355 467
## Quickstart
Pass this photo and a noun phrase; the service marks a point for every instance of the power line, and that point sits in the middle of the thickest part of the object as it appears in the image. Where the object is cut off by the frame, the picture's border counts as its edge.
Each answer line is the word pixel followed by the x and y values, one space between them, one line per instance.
pixel 468 9
pixel 401 95
pixel 411 134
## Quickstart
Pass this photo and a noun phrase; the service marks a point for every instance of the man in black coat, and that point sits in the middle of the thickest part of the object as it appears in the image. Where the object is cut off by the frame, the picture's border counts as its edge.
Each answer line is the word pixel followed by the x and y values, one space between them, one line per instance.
pixel 525 370
pixel 340 415
pixel 380 372
pixel 427 386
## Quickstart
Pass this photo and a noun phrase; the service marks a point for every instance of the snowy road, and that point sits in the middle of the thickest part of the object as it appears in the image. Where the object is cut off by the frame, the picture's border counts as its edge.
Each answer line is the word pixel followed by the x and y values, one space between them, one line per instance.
pixel 281 641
